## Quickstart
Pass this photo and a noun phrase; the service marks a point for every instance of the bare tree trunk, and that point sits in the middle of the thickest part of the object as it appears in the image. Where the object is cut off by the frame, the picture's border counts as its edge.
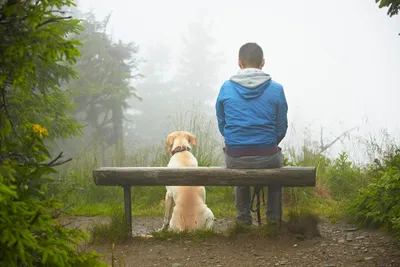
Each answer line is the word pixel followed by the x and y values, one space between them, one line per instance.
pixel 343 134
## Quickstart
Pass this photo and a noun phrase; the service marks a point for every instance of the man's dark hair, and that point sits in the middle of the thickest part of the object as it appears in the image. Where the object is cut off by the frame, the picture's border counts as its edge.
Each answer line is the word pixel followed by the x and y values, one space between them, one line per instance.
pixel 251 55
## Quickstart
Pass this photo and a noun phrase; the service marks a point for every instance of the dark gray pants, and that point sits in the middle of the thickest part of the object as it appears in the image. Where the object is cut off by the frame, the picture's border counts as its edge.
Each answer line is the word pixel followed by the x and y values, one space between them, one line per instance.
pixel 243 193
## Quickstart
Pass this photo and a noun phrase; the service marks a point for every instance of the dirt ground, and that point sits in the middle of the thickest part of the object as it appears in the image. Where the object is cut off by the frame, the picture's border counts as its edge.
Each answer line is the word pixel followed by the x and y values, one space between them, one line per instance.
pixel 327 245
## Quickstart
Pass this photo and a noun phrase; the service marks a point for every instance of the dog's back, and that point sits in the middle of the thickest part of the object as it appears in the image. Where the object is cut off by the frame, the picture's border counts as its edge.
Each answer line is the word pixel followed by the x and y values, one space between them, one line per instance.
pixel 189 200
pixel 190 210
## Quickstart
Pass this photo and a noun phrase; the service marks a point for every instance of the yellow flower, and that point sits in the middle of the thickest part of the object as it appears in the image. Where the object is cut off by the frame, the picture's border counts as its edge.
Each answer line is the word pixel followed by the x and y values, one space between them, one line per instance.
pixel 38 129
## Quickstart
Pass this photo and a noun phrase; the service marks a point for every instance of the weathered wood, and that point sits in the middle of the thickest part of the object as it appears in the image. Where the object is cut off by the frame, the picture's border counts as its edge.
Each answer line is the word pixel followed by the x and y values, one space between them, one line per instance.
pixel 128 208
pixel 207 176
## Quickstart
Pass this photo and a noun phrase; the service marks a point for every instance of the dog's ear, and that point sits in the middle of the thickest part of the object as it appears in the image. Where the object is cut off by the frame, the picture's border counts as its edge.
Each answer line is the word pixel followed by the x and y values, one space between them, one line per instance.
pixel 170 141
pixel 192 139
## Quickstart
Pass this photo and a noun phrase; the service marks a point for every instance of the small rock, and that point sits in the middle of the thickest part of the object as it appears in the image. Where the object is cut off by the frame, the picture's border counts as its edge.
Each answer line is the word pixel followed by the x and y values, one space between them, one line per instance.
pixel 281 263
pixel 368 258
pixel 360 237
pixel 175 264
pixel 341 241
pixel 295 245
pixel 323 245
pixel 351 229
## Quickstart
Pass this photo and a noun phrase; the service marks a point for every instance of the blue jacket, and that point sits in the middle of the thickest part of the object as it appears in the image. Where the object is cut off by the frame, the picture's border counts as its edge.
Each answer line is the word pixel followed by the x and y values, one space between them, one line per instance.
pixel 251 111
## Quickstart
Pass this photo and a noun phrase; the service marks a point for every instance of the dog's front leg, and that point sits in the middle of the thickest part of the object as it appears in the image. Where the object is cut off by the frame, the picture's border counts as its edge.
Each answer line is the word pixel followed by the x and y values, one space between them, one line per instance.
pixel 169 205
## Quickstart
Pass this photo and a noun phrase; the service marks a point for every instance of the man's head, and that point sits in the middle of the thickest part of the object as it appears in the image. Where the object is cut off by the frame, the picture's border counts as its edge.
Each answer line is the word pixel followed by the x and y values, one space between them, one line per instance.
pixel 251 56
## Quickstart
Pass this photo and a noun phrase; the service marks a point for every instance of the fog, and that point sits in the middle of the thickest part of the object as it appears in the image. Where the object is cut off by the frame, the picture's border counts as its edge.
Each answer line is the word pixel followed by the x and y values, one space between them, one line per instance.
pixel 339 64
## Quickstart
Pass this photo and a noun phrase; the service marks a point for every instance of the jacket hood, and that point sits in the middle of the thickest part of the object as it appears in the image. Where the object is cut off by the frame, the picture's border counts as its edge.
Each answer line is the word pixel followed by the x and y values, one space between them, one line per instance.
pixel 250 83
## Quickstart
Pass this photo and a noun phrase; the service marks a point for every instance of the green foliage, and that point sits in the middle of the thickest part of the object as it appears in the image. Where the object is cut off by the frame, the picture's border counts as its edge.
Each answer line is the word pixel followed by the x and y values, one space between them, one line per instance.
pixel 29 234
pixel 35 59
pixel 344 177
pixel 378 204
pixel 392 5
pixel 33 53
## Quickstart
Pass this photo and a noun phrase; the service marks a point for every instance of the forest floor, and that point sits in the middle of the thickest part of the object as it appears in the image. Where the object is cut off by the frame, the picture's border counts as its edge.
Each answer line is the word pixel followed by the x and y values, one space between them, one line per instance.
pixel 306 243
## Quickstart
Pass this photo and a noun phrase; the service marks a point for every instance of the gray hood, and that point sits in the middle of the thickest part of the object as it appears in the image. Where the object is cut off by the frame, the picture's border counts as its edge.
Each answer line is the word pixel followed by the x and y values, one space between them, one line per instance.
pixel 250 78
pixel 250 83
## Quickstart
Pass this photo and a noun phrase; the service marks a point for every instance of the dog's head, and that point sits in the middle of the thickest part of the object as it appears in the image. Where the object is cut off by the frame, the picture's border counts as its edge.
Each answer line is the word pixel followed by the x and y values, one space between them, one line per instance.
pixel 180 138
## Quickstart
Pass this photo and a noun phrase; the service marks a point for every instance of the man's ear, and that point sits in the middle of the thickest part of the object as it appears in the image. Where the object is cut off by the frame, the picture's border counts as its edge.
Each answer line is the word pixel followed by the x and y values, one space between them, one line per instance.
pixel 240 64
pixel 170 141
pixel 192 139
pixel 262 64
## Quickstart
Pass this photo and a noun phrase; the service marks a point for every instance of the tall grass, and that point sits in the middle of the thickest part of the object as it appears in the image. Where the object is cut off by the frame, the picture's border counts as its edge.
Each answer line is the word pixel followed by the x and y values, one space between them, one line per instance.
pixel 77 190
pixel 338 179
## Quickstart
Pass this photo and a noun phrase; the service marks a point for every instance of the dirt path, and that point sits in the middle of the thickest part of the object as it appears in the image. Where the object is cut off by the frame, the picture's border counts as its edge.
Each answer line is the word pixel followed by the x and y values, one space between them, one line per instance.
pixel 338 245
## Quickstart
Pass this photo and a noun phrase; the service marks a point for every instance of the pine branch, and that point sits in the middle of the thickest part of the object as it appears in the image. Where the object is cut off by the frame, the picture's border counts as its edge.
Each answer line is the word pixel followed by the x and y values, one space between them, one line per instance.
pixel 52 20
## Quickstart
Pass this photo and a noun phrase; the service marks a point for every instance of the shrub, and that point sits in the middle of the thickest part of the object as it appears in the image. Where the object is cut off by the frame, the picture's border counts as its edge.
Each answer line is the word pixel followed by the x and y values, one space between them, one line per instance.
pixel 29 233
pixel 378 204
pixel 344 178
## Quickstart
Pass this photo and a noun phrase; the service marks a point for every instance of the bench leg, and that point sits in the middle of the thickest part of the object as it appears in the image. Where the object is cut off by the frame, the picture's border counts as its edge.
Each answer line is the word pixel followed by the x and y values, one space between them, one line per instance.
pixel 128 208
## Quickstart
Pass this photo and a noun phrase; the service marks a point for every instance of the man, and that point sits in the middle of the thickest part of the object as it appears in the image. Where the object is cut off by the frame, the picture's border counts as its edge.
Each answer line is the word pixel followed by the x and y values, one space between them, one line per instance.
pixel 251 110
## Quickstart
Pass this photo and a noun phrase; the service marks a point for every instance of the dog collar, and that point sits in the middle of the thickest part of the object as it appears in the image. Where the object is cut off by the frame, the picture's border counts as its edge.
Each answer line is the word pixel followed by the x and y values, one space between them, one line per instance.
pixel 180 149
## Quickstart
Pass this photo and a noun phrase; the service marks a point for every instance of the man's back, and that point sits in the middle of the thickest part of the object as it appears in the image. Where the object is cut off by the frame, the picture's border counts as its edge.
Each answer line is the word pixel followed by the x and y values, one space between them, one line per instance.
pixel 251 111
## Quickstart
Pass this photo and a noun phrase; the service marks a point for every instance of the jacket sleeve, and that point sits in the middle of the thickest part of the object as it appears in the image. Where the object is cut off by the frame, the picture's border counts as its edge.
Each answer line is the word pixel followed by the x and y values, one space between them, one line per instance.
pixel 281 117
pixel 219 107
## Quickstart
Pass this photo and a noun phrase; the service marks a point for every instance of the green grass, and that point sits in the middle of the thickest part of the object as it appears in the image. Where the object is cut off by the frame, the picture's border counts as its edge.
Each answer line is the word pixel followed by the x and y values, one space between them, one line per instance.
pixel 114 231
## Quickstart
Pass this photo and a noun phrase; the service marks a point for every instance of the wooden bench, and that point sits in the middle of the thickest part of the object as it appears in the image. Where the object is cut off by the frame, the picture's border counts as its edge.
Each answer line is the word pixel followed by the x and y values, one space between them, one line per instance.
pixel 127 177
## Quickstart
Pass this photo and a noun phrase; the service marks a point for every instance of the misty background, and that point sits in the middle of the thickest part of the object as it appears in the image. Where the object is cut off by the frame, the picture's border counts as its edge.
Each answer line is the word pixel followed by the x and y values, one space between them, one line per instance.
pixel 339 66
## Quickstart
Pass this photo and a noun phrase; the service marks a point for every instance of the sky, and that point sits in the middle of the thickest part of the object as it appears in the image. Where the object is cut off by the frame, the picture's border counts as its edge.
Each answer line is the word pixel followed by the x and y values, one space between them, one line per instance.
pixel 339 64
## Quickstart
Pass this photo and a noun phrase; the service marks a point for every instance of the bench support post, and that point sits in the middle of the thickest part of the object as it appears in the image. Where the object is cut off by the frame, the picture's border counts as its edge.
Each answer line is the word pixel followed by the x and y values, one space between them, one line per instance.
pixel 128 208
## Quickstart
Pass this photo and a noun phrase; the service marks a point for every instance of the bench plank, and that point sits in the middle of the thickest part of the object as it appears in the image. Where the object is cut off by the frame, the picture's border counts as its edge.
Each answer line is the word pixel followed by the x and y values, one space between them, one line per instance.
pixel 287 176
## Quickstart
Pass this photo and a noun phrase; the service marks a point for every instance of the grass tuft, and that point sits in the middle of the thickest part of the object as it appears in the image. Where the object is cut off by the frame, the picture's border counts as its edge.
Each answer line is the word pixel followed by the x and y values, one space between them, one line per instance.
pixel 115 231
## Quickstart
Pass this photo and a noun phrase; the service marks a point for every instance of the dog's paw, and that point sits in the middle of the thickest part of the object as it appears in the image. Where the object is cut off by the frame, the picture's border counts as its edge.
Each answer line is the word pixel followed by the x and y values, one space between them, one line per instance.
pixel 163 228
